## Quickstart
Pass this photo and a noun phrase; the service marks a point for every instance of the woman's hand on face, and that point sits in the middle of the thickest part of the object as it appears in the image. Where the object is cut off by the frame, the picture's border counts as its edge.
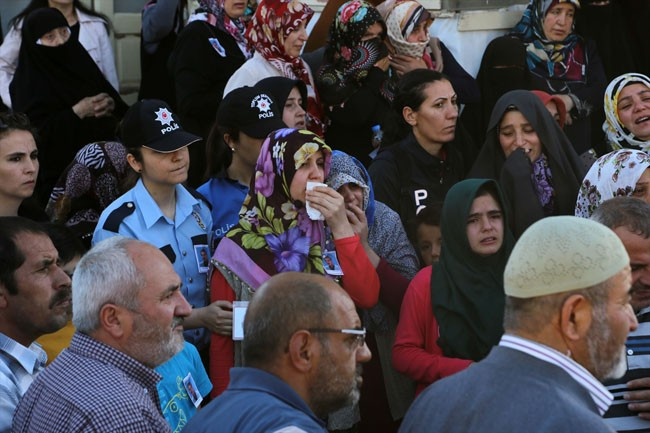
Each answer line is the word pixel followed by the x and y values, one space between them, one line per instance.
pixel 358 221
pixel 103 105
pixel 332 205
pixel 403 64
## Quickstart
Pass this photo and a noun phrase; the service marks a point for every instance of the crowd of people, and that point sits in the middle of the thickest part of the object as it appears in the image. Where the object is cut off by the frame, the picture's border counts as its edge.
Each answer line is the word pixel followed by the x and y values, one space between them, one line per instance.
pixel 361 237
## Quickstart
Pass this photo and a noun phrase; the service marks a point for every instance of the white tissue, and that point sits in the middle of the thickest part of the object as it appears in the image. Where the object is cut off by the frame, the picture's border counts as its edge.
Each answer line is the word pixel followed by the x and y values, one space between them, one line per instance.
pixel 313 214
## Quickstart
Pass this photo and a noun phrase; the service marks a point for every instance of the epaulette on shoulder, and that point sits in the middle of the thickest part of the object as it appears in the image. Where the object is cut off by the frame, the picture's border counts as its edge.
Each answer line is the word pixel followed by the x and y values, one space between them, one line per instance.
pixel 112 223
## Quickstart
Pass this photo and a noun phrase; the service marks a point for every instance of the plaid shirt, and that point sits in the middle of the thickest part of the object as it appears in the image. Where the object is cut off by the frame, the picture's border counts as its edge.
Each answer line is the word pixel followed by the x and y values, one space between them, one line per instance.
pixel 92 387
pixel 18 367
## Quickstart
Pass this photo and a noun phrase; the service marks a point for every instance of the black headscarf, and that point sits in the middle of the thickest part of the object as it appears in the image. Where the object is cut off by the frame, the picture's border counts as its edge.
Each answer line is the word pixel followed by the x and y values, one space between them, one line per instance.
pixel 48 78
pixel 467 289
pixel 514 173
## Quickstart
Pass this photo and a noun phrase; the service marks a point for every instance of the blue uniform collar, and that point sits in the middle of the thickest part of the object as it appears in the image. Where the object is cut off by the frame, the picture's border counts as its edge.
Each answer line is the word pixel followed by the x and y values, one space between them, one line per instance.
pixel 151 213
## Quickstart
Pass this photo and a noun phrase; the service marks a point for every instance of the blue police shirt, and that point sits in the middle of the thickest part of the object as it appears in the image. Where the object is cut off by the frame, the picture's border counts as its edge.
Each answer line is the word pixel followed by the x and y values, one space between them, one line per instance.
pixel 185 240
pixel 226 196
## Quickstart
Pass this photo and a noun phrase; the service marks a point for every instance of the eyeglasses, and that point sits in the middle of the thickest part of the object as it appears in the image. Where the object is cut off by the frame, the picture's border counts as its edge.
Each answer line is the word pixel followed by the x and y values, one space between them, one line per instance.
pixel 360 334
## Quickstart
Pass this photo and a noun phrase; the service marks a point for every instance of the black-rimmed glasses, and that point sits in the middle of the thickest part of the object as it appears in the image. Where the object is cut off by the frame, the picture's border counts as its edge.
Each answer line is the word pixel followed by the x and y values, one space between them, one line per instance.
pixel 360 334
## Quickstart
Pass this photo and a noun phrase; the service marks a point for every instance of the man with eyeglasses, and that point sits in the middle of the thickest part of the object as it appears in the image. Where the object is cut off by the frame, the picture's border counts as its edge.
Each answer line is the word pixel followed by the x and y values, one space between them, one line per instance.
pixel 303 348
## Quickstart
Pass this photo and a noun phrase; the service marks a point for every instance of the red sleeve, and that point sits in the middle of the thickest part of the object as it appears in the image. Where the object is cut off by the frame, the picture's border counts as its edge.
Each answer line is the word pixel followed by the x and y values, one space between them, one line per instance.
pixel 416 352
pixel 360 279
pixel 222 349
pixel 393 286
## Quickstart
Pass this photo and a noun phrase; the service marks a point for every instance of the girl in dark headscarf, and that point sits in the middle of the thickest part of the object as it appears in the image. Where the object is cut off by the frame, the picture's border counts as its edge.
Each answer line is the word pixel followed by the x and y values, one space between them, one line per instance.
pixel 562 62
pixel 354 83
pixel 65 95
pixel 452 313
pixel 534 162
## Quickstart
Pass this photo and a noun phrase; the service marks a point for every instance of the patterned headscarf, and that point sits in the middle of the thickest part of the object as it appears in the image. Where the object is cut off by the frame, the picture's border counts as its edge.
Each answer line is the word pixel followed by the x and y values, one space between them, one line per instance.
pixel 612 175
pixel 550 59
pixel 274 230
pixel 613 127
pixel 347 169
pixel 217 16
pixel 401 21
pixel 348 59
pixel 273 21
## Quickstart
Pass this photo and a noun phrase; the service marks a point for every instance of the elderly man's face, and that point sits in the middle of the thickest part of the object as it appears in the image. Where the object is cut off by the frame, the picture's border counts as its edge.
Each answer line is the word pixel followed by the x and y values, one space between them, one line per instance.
pixel 609 328
pixel 157 329
pixel 638 248
pixel 338 377
pixel 43 302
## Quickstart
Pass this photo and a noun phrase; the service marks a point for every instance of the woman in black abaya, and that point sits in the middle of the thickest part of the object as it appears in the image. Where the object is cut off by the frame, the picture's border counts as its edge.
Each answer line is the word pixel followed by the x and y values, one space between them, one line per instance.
pixel 63 92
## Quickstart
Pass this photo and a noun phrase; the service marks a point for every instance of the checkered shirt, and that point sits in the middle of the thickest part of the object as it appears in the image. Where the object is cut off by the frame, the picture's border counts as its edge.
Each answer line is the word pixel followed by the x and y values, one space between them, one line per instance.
pixel 91 387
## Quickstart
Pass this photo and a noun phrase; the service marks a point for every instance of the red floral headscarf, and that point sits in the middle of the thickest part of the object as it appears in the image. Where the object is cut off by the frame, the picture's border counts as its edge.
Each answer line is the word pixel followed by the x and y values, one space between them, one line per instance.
pixel 273 21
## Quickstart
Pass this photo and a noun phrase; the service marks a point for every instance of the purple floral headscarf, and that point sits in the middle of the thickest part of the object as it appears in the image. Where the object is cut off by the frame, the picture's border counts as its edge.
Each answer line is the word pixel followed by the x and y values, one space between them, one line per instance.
pixel 274 230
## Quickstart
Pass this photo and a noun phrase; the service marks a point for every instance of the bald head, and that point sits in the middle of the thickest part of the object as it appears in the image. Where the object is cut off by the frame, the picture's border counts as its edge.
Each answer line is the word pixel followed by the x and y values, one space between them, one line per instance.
pixel 286 303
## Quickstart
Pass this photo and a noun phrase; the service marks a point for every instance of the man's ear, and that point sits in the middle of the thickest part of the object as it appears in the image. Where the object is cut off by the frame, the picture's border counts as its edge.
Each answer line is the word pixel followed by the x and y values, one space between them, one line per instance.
pixel 575 317
pixel 303 350
pixel 115 321
pixel 410 116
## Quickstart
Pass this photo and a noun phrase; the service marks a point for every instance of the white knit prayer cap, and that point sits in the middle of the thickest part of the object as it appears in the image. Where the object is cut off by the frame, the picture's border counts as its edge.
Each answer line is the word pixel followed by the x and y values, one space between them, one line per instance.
pixel 560 254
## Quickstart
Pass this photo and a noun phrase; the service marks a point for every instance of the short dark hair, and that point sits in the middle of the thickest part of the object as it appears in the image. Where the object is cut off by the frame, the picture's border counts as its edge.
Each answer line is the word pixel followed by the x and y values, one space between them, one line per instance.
pixel 277 311
pixel 429 215
pixel 218 154
pixel 11 255
pixel 67 244
pixel 531 314
pixel 13 121
pixel 628 212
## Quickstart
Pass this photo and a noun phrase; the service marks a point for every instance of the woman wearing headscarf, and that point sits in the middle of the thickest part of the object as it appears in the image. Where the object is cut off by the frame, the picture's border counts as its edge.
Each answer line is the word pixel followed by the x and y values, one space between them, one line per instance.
pixel 277 32
pixel 562 62
pixel 452 313
pixel 64 94
pixel 411 47
pixel 528 154
pixel 386 394
pixel 503 68
pixel 624 172
pixel 89 27
pixel 627 112
pixel 208 51
pixel 353 82
pixel 276 233
pixel 88 185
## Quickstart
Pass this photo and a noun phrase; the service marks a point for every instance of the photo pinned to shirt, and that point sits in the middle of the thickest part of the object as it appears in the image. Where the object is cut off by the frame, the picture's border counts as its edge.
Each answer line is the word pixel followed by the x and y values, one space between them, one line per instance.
pixel 192 390
pixel 217 46
pixel 202 254
pixel 331 263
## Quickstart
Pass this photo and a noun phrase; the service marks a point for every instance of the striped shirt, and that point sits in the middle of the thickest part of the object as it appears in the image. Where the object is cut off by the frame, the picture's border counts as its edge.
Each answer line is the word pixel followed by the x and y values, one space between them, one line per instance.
pixel 18 367
pixel 601 397
pixel 619 417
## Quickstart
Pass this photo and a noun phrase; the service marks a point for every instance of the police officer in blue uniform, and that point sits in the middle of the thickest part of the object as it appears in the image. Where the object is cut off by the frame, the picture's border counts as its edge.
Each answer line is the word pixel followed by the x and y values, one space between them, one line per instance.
pixel 161 211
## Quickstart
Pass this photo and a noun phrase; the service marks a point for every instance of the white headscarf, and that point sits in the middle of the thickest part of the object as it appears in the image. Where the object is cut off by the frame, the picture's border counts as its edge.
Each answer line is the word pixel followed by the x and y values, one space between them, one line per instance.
pixel 400 22
pixel 613 127
pixel 612 175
